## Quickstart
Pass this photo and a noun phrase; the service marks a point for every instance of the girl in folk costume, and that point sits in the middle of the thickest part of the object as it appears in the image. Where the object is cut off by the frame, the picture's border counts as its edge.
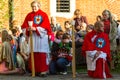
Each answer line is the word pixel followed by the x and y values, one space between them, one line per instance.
pixel 6 56
pixel 24 48
pixel 17 58
pixel 96 48
pixel 110 27
pixel 14 45
pixel 6 53
pixel 7 65
pixel 24 51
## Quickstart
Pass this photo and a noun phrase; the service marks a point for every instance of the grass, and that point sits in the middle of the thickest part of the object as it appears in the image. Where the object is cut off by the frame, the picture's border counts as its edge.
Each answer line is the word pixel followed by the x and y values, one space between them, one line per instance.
pixel 79 69
pixel 83 69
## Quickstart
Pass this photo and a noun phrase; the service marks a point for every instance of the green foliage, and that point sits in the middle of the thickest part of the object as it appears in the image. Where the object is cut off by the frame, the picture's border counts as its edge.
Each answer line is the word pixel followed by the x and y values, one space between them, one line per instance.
pixel 4 17
pixel 10 3
pixel 117 63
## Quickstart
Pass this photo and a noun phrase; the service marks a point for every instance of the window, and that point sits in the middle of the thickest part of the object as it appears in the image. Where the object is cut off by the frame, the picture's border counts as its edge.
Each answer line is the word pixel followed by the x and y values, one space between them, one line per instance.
pixel 62 8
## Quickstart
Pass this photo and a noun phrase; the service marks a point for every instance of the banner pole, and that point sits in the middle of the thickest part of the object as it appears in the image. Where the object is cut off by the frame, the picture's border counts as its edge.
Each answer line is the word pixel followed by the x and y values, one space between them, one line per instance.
pixel 73 50
pixel 31 47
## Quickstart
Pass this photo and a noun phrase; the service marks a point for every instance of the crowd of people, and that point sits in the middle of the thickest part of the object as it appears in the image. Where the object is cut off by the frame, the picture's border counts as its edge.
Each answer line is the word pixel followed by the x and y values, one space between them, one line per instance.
pixel 52 47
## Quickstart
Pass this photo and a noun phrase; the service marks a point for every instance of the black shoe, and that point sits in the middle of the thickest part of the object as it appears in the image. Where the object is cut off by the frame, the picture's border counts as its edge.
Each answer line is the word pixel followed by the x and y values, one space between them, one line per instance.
pixel 43 75
pixel 37 74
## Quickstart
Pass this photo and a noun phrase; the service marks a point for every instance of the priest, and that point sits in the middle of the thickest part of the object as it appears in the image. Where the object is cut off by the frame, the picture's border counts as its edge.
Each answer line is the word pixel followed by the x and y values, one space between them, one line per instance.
pixel 96 48
pixel 38 22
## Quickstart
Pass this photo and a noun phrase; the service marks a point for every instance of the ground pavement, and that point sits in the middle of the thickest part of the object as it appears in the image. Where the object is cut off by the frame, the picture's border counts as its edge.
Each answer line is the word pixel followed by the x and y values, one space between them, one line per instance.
pixel 79 76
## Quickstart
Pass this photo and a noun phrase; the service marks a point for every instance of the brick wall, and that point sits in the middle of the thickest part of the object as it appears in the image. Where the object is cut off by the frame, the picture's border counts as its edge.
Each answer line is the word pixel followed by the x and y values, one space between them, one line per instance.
pixel 23 7
pixel 89 8
pixel 92 8
pixel 114 7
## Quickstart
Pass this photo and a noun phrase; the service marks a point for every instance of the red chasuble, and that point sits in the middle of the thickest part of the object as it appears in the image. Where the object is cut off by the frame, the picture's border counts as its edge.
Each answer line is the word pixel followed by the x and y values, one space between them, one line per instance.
pixel 40 19
pixel 100 43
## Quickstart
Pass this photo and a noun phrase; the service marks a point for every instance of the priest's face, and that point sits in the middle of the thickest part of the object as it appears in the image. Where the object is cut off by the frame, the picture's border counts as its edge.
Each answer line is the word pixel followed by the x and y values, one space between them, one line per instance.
pixel 35 7
pixel 102 27
pixel 99 27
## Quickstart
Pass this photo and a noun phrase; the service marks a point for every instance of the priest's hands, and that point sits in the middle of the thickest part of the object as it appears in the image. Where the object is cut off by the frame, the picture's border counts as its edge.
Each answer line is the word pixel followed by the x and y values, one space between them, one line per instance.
pixel 32 28
pixel 96 55
pixel 81 40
